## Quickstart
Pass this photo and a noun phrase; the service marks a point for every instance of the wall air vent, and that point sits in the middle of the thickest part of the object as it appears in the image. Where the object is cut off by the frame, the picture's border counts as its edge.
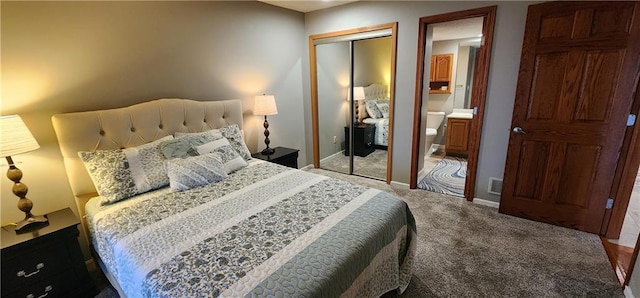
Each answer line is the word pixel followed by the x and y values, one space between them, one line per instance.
pixel 495 186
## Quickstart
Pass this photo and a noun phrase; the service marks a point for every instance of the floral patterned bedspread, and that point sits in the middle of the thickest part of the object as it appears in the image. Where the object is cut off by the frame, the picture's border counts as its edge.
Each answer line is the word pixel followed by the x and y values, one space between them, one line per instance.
pixel 266 230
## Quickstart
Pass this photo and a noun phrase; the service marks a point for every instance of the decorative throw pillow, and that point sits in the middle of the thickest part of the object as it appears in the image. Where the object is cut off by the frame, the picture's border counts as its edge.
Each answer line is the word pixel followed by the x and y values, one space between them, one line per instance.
pixel 122 173
pixel 372 109
pixel 185 145
pixel 230 158
pixel 196 171
pixel 234 135
pixel 383 106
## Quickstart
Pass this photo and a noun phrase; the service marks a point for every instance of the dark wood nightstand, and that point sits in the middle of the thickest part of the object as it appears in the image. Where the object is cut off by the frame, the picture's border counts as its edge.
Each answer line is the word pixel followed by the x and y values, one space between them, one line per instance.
pixel 45 262
pixel 362 140
pixel 282 156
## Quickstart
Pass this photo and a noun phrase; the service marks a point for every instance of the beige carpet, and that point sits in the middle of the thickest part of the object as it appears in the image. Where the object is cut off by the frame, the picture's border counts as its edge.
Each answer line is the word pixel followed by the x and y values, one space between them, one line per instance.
pixel 468 250
pixel 373 165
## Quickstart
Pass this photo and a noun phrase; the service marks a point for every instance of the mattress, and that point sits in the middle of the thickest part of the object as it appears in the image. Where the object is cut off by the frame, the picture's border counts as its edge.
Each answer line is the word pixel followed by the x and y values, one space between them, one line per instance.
pixel 266 230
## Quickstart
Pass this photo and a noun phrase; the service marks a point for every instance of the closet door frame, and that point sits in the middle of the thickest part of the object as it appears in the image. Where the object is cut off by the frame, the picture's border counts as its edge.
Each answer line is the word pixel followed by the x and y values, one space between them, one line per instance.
pixel 318 39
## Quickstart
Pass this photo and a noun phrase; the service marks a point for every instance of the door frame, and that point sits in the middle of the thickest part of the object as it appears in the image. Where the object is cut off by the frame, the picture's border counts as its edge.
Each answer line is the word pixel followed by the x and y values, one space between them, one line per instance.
pixel 625 175
pixel 479 91
pixel 314 86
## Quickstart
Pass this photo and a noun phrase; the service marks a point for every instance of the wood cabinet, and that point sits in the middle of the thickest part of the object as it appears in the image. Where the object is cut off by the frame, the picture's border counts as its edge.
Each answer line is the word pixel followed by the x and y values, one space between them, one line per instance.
pixel 457 140
pixel 283 156
pixel 440 74
pixel 46 261
pixel 362 140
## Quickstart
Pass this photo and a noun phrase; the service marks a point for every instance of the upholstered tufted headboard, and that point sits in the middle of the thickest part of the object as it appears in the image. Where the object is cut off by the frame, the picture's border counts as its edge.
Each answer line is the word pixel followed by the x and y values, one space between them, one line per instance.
pixel 132 126
pixel 376 91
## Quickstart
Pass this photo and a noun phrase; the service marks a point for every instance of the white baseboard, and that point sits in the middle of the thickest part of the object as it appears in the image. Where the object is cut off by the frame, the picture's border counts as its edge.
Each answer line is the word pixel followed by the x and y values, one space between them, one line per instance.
pixel 486 203
pixel 401 184
pixel 332 155
pixel 627 292
pixel 309 166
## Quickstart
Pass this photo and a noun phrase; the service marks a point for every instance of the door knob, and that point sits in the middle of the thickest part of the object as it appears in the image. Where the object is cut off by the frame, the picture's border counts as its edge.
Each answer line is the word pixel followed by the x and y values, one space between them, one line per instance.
pixel 519 130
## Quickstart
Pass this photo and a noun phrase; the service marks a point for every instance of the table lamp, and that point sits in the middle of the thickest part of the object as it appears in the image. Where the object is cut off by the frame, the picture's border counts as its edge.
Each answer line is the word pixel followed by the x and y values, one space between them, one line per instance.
pixel 15 138
pixel 265 105
pixel 358 94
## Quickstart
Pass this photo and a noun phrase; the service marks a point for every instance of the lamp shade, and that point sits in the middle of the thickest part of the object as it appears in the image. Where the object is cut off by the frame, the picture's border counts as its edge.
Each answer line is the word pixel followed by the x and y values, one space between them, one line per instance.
pixel 358 93
pixel 15 137
pixel 265 105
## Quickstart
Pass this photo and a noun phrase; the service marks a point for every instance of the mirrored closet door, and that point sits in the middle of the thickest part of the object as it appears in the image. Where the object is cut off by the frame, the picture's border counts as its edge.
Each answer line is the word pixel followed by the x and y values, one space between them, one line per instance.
pixel 352 75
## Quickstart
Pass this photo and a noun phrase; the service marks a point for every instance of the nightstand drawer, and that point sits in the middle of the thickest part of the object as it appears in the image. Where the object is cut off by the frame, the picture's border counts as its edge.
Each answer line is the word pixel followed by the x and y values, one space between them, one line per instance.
pixel 21 270
pixel 51 287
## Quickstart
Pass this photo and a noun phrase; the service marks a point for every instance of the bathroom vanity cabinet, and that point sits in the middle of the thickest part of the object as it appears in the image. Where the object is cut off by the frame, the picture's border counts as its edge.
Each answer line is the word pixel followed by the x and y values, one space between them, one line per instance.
pixel 440 75
pixel 457 140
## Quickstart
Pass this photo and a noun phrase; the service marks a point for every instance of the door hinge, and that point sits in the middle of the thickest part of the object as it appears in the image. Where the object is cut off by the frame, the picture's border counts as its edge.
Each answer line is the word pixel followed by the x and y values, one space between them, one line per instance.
pixel 609 203
pixel 631 120
pixel 475 110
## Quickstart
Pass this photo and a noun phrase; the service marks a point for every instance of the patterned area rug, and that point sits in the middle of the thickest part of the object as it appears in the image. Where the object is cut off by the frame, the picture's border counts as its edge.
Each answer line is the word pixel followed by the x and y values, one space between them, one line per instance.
pixel 447 177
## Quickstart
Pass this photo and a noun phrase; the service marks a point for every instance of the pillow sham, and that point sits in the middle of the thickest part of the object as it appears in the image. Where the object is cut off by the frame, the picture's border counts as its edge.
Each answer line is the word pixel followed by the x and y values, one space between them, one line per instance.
pixel 372 108
pixel 231 132
pixel 184 146
pixel 230 158
pixel 196 171
pixel 122 173
pixel 383 106
pixel 234 135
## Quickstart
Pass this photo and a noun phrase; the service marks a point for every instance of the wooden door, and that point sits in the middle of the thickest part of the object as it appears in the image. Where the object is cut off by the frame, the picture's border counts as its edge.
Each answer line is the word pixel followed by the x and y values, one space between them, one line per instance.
pixel 578 72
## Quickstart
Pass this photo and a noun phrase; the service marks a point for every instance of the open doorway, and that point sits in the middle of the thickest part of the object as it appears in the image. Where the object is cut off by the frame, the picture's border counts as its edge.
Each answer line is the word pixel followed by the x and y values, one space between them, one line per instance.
pixel 438 60
pixel 454 49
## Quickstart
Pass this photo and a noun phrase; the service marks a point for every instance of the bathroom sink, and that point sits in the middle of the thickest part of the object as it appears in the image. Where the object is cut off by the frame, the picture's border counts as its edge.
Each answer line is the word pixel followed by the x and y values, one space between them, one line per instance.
pixel 461 114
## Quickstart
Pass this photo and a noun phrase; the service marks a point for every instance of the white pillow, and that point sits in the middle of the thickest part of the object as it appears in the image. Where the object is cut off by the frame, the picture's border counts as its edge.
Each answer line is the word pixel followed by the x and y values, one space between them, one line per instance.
pixel 230 158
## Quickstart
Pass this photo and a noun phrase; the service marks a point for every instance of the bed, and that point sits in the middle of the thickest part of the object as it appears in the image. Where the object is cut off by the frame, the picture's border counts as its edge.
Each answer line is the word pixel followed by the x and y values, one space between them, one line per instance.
pixel 375 111
pixel 261 230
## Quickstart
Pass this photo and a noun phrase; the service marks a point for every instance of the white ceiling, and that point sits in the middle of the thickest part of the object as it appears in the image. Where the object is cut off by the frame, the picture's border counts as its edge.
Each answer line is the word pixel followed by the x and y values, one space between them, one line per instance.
pixel 459 29
pixel 306 6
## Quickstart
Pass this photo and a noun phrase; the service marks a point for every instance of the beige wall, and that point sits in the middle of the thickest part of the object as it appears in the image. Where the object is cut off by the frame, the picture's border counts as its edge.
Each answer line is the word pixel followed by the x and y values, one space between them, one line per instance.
pixel 62 57
pixel 372 61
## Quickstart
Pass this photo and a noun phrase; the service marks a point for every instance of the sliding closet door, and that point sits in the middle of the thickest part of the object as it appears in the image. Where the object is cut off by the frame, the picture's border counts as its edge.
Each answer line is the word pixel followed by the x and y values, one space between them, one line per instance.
pixel 337 139
pixel 333 75
pixel 372 66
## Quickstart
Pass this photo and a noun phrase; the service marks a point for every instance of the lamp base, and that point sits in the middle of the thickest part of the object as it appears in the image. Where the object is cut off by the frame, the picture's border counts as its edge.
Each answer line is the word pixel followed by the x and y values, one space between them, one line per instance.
pixel 31 223
pixel 268 151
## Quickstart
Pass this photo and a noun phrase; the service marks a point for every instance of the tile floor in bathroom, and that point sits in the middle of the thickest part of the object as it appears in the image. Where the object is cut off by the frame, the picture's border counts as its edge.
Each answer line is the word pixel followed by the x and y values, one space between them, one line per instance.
pixel 431 160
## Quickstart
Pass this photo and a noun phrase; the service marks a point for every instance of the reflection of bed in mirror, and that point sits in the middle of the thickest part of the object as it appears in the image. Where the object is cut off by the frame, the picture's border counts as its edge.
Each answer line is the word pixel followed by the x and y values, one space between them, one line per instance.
pixel 374 110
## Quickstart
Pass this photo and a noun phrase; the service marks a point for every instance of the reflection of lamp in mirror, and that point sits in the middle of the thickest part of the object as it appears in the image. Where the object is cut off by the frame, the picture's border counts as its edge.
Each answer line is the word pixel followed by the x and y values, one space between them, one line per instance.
pixel 265 105
pixel 15 138
pixel 358 94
